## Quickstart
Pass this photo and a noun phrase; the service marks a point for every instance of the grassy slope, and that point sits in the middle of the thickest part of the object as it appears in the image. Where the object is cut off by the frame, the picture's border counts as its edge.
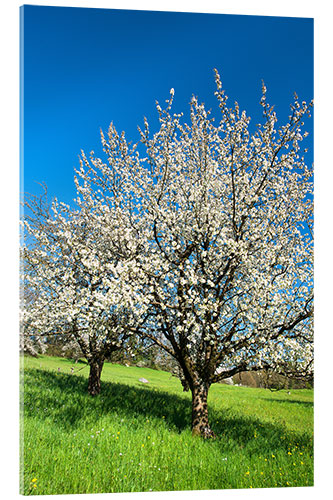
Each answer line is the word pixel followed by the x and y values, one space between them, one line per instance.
pixel 136 437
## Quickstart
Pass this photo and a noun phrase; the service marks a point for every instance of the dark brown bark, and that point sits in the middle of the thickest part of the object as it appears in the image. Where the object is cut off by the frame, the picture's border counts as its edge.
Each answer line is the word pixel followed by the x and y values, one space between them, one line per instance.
pixel 200 424
pixel 94 383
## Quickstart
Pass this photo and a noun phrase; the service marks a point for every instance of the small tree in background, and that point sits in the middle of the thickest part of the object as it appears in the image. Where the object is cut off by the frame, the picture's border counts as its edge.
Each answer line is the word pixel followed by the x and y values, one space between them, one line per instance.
pixel 75 262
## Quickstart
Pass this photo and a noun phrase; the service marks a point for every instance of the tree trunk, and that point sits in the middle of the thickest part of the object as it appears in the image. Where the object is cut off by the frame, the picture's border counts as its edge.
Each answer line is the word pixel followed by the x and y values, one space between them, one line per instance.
pixel 94 383
pixel 200 425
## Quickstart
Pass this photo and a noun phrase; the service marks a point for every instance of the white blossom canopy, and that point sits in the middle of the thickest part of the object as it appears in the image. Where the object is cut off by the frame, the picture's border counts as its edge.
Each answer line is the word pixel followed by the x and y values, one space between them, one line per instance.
pixel 204 240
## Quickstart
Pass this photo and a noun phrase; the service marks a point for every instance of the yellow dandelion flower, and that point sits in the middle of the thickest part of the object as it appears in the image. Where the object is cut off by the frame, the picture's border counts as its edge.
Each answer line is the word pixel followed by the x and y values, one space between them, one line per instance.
pixel 34 480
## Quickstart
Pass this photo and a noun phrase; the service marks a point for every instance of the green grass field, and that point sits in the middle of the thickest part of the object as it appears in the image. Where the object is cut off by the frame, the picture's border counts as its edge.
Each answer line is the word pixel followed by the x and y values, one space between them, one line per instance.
pixel 136 437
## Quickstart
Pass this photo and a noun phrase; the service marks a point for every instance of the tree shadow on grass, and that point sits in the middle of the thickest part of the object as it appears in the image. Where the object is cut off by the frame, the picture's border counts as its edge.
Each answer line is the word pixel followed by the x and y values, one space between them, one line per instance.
pixel 64 399
pixel 291 401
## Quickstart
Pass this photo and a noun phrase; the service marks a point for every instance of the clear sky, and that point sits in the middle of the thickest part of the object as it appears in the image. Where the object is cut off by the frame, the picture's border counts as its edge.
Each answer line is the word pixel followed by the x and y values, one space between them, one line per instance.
pixel 83 68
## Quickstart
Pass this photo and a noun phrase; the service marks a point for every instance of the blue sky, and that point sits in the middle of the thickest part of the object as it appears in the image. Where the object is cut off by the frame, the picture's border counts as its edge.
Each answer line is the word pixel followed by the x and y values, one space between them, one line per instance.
pixel 83 68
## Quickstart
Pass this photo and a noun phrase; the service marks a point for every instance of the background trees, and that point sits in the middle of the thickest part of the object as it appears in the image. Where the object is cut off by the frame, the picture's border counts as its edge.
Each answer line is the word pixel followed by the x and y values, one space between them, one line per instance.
pixel 75 264
pixel 198 239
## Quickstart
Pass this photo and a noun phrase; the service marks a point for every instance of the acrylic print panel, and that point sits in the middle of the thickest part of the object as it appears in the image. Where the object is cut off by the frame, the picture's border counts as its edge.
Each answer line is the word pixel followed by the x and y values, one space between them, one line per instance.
pixel 166 327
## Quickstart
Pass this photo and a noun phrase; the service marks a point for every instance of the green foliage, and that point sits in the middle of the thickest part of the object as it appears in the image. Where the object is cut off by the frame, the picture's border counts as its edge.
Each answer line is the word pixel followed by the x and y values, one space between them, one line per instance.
pixel 137 437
